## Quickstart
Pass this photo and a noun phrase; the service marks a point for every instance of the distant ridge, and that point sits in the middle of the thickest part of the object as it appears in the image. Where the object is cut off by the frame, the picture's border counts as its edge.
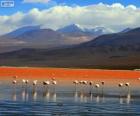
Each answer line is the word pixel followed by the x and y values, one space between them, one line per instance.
pixel 22 30
pixel 78 29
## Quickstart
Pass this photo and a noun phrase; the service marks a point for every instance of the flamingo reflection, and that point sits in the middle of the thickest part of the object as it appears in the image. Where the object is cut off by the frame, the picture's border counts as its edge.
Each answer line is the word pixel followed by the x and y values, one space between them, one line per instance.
pixel 46 95
pixel 76 96
pixel 54 97
pixel 14 96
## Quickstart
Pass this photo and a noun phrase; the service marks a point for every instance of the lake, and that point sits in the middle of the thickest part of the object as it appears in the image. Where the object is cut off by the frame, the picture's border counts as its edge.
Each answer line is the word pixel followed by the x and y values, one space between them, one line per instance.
pixel 65 98
pixel 67 101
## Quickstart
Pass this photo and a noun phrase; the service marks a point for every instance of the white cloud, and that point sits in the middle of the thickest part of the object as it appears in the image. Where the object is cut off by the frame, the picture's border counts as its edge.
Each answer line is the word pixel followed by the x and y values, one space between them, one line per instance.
pixel 114 17
pixel 36 1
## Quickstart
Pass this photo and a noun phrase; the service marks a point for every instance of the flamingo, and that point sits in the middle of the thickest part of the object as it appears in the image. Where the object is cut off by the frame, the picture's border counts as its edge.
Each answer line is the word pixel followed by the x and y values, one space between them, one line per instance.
pixel 81 83
pixel 97 86
pixel 14 81
pixel 120 86
pixel 46 83
pixel 26 82
pixel 34 84
pixel 90 84
pixel 128 86
pixel 75 82
pixel 54 82
pixel 103 83
pixel 23 82
pixel 128 99
pixel 85 83
pixel 34 94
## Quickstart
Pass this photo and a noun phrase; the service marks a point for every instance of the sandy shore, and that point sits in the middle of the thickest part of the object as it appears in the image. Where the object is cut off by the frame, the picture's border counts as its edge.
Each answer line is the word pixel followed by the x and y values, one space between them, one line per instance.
pixel 65 74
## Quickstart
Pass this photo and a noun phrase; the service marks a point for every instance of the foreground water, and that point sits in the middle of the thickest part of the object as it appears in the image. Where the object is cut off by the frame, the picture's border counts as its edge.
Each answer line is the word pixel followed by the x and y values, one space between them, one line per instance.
pixel 66 101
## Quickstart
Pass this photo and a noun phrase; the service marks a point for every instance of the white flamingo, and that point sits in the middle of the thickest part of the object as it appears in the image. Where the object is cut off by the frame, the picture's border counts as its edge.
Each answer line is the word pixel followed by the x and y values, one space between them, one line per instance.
pixel 14 80
pixel 26 82
pixel 34 85
pixel 81 83
pixel 85 83
pixel 128 86
pixel 75 83
pixel 34 82
pixel 54 82
pixel 46 84
pixel 120 86
pixel 97 87
pixel 23 82
pixel 90 84
pixel 103 83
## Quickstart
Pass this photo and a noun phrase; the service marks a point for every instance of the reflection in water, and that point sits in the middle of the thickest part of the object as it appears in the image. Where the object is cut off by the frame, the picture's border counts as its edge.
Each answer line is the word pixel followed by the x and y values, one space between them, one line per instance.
pixel 34 94
pixel 49 95
pixel 75 87
pixel 88 104
pixel 14 96
pixel 25 94
pixel 121 89
pixel 54 97
pixel 103 99
pixel 128 98
pixel 121 100
pixel 46 95
pixel 97 99
pixel 91 97
pixel 76 96
pixel 81 97
pixel 85 99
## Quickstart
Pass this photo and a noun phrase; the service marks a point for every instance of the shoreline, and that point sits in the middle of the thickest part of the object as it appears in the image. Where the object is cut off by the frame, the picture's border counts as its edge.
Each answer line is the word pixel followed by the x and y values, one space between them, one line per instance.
pixel 68 68
pixel 6 70
pixel 67 76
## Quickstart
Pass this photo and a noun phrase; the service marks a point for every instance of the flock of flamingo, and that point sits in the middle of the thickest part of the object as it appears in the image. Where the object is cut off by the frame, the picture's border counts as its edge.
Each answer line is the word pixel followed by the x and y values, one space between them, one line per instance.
pixel 34 82
pixel 83 84
pixel 81 89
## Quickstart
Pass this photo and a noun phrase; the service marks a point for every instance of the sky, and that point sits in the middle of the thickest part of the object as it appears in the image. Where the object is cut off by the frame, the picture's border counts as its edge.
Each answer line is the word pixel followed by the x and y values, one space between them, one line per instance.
pixel 115 15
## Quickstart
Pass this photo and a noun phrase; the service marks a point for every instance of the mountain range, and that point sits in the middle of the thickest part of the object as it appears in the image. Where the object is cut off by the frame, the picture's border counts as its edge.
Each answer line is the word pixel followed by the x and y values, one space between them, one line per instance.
pixel 36 37
pixel 77 30
pixel 112 51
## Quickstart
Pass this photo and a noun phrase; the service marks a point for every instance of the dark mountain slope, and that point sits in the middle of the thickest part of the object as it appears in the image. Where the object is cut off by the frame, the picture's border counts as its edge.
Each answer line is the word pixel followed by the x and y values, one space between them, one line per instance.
pixel 113 51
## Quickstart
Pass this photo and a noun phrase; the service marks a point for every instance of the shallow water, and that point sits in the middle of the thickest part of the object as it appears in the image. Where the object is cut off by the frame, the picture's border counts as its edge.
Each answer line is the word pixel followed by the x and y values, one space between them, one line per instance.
pixel 68 101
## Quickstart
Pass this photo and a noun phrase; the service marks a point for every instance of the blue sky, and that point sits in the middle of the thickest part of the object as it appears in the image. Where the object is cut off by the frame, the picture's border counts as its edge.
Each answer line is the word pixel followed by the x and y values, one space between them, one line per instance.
pixel 25 7
pixel 114 15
